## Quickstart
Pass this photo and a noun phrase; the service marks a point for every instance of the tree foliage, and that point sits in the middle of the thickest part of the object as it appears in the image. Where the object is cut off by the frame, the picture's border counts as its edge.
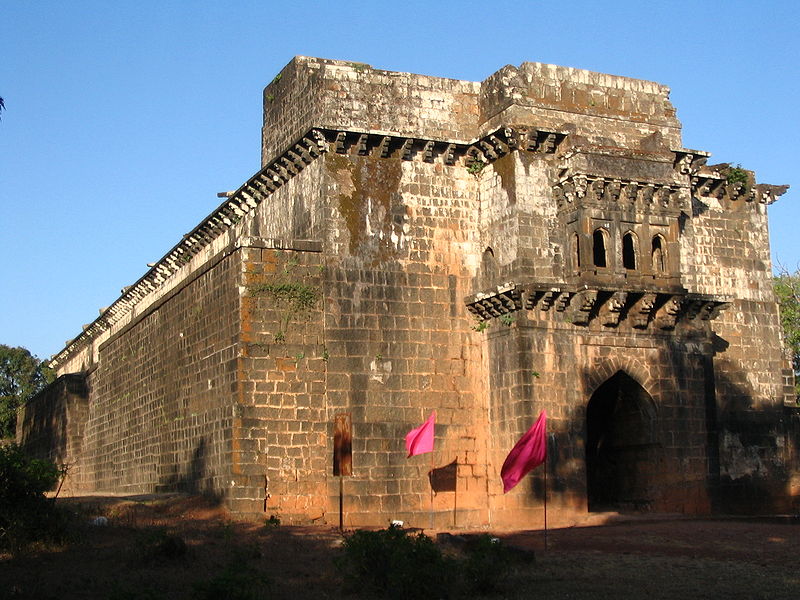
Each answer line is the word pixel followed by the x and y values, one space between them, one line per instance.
pixel 787 290
pixel 21 376
pixel 26 515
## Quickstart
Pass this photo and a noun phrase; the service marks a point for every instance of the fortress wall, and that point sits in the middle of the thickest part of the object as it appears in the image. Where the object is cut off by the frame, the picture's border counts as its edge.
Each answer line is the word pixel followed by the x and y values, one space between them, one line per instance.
pixel 402 255
pixel 281 425
pixel 601 109
pixel 163 393
pixel 339 281
pixel 543 362
pixel 727 253
pixel 50 425
pixel 313 92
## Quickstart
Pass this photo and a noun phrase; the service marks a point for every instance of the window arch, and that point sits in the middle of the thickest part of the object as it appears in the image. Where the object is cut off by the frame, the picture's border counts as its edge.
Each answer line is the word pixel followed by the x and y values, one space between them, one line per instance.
pixel 629 250
pixel 659 254
pixel 599 248
pixel 489 264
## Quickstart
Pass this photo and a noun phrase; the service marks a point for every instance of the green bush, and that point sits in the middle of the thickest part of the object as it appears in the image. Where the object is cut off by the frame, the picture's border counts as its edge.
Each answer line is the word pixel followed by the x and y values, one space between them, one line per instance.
pixel 486 565
pixel 26 515
pixel 397 565
pixel 237 581
pixel 158 545
pixel 393 563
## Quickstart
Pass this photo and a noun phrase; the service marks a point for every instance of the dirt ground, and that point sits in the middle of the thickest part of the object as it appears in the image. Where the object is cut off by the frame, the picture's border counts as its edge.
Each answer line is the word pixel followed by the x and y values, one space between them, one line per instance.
pixel 184 547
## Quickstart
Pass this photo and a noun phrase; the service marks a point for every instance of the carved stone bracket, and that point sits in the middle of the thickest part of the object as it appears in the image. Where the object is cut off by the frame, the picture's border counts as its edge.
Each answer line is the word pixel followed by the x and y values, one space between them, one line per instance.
pixel 716 181
pixel 502 300
pixel 667 316
pixel 688 162
pixel 502 141
pixel 582 305
pixel 640 311
pixel 639 308
pixel 585 190
pixel 611 310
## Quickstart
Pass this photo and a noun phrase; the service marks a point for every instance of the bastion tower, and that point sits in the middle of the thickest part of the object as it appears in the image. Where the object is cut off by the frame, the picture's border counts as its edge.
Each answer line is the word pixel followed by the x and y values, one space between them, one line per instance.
pixel 540 240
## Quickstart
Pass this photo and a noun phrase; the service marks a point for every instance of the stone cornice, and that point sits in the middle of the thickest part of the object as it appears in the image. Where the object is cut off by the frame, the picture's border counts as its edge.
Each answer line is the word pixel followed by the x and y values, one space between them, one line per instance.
pixel 581 189
pixel 642 308
pixel 317 141
pixel 715 181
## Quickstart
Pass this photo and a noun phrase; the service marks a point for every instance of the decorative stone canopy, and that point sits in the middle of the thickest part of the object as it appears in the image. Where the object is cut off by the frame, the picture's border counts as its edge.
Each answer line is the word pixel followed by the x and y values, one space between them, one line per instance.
pixel 581 305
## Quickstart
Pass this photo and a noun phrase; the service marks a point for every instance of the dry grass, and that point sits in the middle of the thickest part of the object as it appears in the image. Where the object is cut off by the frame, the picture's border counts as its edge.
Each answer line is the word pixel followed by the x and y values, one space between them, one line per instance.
pixel 187 548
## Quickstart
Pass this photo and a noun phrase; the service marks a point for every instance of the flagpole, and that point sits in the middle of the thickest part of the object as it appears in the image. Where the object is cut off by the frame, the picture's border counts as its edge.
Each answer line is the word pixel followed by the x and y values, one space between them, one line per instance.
pixel 341 503
pixel 431 484
pixel 455 496
pixel 545 502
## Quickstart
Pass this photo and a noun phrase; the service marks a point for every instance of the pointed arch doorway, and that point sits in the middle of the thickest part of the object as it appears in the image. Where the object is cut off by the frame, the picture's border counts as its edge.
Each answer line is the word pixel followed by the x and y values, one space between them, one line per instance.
pixel 621 448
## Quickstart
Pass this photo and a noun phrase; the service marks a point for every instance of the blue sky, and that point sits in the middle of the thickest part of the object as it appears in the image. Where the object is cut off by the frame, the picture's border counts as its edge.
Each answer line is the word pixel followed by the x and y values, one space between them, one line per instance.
pixel 124 119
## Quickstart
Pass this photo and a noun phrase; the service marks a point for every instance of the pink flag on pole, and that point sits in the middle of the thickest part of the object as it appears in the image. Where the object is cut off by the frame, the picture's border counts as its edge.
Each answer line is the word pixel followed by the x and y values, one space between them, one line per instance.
pixel 528 453
pixel 420 440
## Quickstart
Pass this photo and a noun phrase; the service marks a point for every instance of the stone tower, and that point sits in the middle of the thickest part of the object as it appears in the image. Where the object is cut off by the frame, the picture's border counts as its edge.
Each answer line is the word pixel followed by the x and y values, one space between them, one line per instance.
pixel 537 241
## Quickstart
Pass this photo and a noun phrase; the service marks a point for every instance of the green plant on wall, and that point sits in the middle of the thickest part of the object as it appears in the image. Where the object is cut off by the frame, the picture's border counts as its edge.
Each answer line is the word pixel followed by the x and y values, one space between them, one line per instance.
pixel 736 175
pixel 480 326
pixel 507 320
pixel 476 167
pixel 290 297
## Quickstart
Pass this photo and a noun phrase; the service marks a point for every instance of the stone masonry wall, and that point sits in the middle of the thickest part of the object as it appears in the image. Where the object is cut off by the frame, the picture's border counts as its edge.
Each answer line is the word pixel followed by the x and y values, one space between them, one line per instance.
pixel 313 92
pixel 728 254
pixel 399 250
pixel 339 279
pixel 281 429
pixel 539 363
pixel 163 396
pixel 50 425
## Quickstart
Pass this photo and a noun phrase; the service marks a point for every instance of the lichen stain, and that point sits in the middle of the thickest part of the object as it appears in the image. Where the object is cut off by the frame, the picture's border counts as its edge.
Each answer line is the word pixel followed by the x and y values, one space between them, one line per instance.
pixel 369 199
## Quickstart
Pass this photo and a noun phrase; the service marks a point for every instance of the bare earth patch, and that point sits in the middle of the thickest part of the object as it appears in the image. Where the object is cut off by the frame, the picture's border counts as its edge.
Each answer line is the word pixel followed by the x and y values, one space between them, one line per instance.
pixel 185 547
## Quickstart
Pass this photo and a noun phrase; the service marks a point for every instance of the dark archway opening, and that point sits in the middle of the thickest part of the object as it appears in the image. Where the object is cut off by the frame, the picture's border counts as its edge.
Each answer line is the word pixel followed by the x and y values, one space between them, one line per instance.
pixel 629 251
pixel 621 448
pixel 599 248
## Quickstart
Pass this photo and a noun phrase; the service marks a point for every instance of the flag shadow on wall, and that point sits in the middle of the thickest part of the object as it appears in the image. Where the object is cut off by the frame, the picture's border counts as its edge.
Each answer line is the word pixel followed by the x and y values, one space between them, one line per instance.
pixel 443 479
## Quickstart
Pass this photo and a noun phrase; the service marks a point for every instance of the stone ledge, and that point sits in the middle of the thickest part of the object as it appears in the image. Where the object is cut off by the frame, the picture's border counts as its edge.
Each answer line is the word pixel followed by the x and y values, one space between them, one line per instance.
pixel 581 305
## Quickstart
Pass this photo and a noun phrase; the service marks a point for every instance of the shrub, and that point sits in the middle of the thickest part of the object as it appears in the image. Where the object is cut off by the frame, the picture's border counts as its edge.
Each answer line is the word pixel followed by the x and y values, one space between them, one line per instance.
pixel 393 563
pixel 237 581
pixel 486 565
pixel 26 515
pixel 159 545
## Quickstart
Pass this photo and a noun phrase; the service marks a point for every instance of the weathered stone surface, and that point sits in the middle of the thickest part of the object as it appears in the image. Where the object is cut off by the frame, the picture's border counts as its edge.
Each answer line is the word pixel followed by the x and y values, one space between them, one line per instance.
pixel 540 240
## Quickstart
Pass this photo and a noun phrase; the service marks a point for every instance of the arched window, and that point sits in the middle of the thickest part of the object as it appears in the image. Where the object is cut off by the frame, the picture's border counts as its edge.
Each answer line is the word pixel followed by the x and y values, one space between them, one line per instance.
pixel 576 252
pixel 658 255
pixel 489 267
pixel 629 251
pixel 599 248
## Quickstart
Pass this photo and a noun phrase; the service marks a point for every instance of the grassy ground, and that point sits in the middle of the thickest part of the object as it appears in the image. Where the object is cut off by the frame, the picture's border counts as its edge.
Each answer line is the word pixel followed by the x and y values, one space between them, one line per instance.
pixel 186 548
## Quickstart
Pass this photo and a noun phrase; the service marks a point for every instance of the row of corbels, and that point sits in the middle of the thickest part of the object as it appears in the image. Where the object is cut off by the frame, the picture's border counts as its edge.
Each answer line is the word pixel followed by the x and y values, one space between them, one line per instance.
pixel 486 149
pixel 710 185
pixel 232 209
pixel 589 188
pixel 610 307
pixel 714 181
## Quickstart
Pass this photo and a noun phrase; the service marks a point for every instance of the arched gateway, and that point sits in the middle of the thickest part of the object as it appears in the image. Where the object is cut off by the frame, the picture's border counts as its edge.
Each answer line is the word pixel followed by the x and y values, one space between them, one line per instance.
pixel 621 445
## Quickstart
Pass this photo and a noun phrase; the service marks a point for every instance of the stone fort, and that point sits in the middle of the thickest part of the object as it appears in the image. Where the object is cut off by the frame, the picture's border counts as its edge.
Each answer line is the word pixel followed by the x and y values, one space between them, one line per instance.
pixel 487 250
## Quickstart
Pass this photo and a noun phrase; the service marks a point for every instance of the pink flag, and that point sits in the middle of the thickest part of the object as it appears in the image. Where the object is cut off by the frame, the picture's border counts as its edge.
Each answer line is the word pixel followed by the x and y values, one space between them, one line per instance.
pixel 528 453
pixel 420 440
